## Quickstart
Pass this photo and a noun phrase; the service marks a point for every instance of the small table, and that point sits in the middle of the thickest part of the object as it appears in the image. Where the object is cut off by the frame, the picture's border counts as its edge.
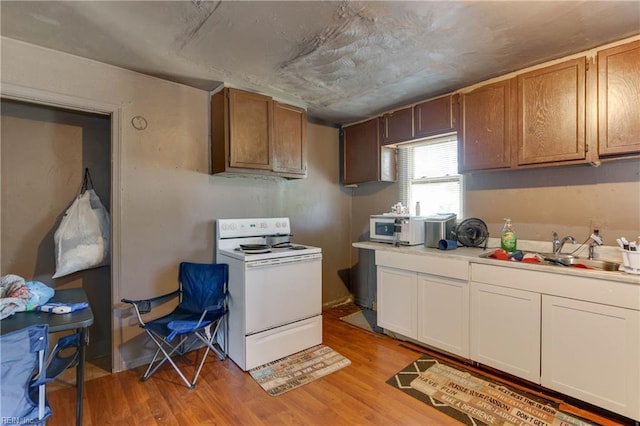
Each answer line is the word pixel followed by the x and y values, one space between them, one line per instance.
pixel 78 320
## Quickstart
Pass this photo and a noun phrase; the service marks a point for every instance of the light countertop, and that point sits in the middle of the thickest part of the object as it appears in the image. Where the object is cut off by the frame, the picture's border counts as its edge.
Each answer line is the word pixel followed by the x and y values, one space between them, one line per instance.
pixel 472 254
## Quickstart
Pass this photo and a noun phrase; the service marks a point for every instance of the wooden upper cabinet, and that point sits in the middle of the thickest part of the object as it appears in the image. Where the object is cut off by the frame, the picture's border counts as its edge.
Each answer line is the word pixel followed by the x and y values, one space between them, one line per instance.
pixel 289 139
pixel 486 127
pixel 619 99
pixel 551 113
pixel 397 126
pixel 436 116
pixel 250 135
pixel 364 159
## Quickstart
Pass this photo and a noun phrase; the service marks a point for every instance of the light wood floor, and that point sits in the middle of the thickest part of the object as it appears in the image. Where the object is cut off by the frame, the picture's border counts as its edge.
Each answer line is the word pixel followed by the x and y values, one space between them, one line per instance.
pixel 225 395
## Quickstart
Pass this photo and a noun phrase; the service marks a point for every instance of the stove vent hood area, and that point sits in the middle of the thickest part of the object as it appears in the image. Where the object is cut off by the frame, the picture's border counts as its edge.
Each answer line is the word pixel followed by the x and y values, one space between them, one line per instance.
pixel 341 60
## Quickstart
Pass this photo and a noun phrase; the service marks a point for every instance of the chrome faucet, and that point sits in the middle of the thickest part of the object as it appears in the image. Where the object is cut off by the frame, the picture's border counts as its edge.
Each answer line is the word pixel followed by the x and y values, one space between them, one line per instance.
pixel 558 244
pixel 596 240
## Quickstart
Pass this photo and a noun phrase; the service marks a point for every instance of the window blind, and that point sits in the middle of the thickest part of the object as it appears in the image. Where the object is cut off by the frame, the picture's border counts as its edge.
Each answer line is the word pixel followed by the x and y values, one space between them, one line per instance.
pixel 428 172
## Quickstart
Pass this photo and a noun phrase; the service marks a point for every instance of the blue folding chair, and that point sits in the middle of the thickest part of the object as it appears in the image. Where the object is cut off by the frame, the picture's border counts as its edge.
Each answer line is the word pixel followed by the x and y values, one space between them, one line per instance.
pixel 25 371
pixel 200 317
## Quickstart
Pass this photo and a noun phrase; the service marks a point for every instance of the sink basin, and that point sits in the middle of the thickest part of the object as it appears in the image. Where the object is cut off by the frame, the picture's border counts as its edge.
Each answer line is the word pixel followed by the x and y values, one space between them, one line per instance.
pixel 568 260
pixel 603 265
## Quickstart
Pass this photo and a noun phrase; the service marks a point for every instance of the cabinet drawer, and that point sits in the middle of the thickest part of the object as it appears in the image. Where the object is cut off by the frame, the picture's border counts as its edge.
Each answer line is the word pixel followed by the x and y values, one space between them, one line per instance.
pixel 614 293
pixel 434 265
pixel 279 342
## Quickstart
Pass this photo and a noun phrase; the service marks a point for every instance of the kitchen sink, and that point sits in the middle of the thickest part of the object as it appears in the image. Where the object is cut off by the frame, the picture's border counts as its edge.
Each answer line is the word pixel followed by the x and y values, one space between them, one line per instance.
pixel 566 260
pixel 603 265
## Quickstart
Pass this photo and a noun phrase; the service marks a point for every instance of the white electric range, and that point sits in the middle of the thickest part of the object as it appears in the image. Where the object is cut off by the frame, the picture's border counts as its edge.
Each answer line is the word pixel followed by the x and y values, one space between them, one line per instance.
pixel 275 293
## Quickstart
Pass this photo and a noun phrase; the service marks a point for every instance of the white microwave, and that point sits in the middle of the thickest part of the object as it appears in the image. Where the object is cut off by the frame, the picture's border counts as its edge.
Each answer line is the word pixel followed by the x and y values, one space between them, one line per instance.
pixel 403 230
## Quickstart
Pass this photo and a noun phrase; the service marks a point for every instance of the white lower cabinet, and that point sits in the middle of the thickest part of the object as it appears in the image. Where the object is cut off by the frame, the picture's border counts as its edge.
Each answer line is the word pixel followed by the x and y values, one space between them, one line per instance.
pixel 397 304
pixel 419 302
pixel 591 352
pixel 443 314
pixel 505 329
pixel 576 335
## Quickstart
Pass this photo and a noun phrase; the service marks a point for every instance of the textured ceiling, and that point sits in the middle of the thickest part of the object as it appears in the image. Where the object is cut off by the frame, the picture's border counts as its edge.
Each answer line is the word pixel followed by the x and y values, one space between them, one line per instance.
pixel 344 61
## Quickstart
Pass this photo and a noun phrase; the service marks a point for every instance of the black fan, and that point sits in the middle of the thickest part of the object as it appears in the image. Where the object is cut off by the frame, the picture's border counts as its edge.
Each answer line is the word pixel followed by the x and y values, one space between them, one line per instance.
pixel 472 232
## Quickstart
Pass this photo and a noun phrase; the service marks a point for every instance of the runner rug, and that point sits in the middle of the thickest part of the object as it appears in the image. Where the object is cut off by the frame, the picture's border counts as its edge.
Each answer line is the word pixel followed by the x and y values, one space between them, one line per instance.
pixel 288 373
pixel 474 399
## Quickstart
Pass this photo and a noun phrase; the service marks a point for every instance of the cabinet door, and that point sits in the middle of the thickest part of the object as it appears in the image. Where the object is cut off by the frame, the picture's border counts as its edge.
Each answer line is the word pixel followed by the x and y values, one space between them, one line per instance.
pixel 289 139
pixel 364 160
pixel 505 330
pixel 397 301
pixel 435 117
pixel 443 314
pixel 619 99
pixel 591 352
pixel 397 126
pixel 551 113
pixel 250 118
pixel 486 127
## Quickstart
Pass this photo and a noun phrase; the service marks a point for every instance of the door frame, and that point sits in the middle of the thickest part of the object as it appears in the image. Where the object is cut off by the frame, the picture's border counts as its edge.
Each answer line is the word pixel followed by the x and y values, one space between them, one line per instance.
pixel 44 97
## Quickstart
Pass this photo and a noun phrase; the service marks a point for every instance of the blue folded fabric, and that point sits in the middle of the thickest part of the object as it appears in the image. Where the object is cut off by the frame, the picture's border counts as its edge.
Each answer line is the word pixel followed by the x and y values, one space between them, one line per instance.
pixel 182 327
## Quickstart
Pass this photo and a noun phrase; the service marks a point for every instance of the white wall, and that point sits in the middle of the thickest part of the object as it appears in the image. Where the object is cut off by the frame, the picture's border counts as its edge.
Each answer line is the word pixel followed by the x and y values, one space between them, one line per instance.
pixel 164 202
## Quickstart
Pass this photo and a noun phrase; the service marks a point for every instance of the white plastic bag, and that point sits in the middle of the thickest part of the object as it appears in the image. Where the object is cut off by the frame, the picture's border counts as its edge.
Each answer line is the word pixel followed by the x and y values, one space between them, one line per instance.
pixel 83 239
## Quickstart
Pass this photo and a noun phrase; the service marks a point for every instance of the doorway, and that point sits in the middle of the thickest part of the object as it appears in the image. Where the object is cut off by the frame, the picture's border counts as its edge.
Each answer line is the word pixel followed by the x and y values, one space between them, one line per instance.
pixel 44 152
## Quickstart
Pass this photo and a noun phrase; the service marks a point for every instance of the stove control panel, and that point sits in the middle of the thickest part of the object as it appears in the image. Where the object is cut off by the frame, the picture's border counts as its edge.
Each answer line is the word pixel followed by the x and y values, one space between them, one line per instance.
pixel 237 228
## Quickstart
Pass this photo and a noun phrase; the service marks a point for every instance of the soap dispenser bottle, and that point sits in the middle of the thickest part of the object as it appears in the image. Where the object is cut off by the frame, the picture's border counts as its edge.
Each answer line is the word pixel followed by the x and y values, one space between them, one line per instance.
pixel 508 242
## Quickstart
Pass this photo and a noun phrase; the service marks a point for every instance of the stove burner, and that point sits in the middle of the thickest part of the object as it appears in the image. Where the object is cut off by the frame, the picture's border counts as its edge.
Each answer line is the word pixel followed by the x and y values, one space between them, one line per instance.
pixel 254 248
pixel 286 244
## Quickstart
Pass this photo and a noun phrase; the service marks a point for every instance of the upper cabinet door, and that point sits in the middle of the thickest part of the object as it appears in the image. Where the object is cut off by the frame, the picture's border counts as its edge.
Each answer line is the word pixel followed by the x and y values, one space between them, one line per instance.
pixel 364 159
pixel 486 127
pixel 289 139
pixel 619 99
pixel 361 152
pixel 551 113
pixel 436 116
pixel 397 126
pixel 250 136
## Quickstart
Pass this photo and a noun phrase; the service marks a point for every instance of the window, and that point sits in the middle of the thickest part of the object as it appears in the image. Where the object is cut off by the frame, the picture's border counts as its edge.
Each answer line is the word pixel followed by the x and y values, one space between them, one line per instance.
pixel 428 173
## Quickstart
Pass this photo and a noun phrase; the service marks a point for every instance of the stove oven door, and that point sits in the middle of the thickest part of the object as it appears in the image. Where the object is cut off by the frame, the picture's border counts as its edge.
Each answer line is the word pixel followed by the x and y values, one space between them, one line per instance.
pixel 281 291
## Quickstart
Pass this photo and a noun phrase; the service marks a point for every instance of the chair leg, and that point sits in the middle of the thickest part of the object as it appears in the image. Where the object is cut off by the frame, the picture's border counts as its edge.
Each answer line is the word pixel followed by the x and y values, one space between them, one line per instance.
pixel 204 358
pixel 226 335
pixel 159 342
pixel 167 357
pixel 209 339
pixel 207 336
